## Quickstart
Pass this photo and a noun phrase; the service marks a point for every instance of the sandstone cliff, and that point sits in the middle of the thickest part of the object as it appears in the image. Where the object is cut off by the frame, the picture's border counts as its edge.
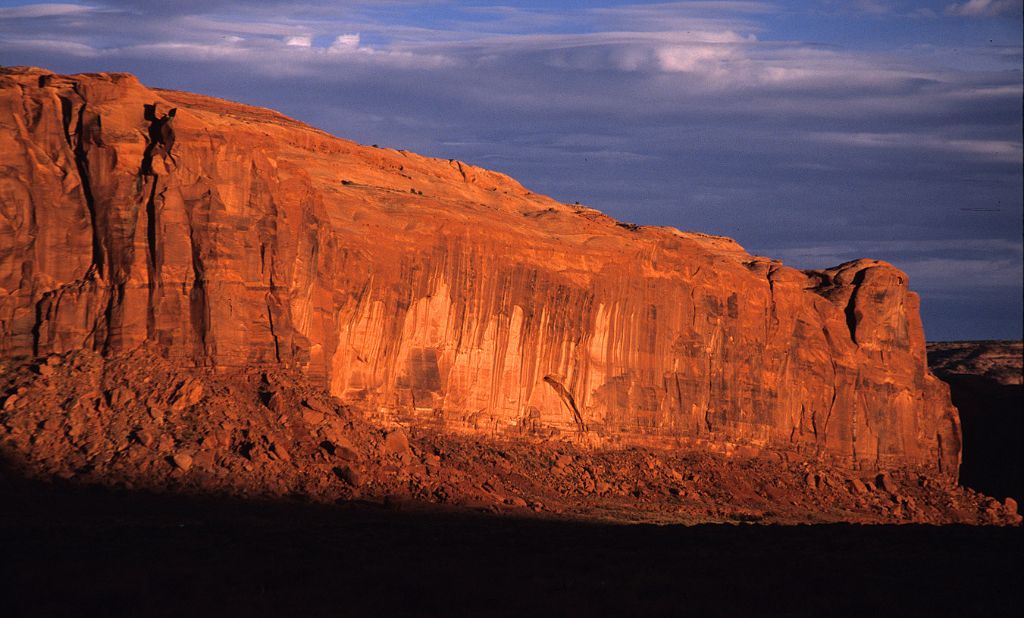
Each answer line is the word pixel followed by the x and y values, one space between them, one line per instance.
pixel 434 292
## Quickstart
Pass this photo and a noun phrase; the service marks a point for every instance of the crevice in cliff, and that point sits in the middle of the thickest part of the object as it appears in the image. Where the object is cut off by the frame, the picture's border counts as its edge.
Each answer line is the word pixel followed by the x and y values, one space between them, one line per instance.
pixel 858 401
pixel 773 317
pixel 66 112
pixel 820 441
pixel 154 267
pixel 151 235
pixel 269 298
pixel 458 166
pixel 569 402
pixel 81 156
pixel 716 340
pixel 273 332
pixel 161 136
pixel 679 393
pixel 198 305
pixel 850 311
pixel 828 417
pixel 801 427
pixel 38 325
pixel 261 203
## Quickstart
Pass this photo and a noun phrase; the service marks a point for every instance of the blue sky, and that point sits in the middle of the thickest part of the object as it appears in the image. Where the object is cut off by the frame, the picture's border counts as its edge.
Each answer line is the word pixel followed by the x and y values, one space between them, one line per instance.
pixel 814 132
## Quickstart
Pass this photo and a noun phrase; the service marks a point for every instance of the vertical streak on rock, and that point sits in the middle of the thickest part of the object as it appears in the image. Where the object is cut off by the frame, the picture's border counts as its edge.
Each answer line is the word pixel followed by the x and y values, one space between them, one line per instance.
pixel 273 332
pixel 78 144
pixel 147 174
pixel 261 199
pixel 198 306
pixel 858 400
pixel 152 262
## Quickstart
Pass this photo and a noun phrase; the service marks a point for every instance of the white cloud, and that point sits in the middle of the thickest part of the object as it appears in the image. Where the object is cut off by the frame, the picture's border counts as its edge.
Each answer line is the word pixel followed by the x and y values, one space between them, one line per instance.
pixel 299 41
pixel 27 11
pixel 345 42
pixel 984 8
pixel 713 61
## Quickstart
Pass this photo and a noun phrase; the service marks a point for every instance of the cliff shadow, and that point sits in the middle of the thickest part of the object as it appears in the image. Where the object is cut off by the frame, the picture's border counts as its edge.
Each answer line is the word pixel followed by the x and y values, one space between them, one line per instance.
pixel 991 416
pixel 71 549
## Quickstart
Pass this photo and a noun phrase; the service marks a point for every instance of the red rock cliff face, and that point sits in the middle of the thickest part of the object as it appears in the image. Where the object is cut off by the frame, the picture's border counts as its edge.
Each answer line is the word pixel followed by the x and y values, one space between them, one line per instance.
pixel 433 291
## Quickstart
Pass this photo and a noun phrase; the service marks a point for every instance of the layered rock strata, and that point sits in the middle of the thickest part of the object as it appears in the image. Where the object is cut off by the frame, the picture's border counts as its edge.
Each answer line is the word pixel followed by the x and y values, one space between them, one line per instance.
pixel 433 292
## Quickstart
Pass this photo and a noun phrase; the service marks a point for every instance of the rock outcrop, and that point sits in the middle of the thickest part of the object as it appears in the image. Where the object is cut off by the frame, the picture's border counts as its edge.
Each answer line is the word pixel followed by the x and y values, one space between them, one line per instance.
pixel 433 292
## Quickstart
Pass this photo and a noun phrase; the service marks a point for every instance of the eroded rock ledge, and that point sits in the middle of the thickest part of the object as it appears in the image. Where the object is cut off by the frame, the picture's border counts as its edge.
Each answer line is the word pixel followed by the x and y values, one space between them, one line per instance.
pixel 434 293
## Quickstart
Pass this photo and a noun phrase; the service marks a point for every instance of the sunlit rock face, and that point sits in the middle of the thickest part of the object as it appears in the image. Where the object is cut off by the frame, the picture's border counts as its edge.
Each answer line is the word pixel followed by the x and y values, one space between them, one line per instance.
pixel 435 292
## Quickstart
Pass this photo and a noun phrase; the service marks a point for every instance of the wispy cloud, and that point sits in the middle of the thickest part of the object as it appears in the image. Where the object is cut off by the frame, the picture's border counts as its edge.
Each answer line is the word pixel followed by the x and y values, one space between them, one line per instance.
pixel 1002 150
pixel 29 11
pixel 875 7
pixel 985 8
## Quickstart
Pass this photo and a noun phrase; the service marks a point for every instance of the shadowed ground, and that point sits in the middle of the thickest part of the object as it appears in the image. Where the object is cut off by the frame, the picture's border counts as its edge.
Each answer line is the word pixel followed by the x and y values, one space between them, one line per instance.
pixel 985 382
pixel 73 550
pixel 991 416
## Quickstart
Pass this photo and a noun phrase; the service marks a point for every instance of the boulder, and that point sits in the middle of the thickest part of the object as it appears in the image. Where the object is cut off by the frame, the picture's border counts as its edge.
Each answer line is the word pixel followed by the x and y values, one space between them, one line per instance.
pixel 396 443
pixel 182 461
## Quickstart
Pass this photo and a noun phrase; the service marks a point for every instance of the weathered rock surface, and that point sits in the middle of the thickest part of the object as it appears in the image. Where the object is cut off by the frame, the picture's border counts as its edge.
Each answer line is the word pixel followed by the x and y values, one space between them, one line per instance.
pixel 433 292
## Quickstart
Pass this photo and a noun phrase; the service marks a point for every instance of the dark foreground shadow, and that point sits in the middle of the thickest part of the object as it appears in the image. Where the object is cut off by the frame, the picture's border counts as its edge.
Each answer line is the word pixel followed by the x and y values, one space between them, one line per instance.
pixel 991 416
pixel 77 551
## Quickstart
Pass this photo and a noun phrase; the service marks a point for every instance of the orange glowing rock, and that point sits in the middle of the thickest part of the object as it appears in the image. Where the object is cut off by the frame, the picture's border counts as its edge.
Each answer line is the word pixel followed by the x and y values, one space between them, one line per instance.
pixel 435 292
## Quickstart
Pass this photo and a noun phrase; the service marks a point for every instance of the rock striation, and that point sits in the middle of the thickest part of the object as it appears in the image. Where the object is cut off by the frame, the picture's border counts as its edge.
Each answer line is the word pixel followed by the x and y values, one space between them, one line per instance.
pixel 436 293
